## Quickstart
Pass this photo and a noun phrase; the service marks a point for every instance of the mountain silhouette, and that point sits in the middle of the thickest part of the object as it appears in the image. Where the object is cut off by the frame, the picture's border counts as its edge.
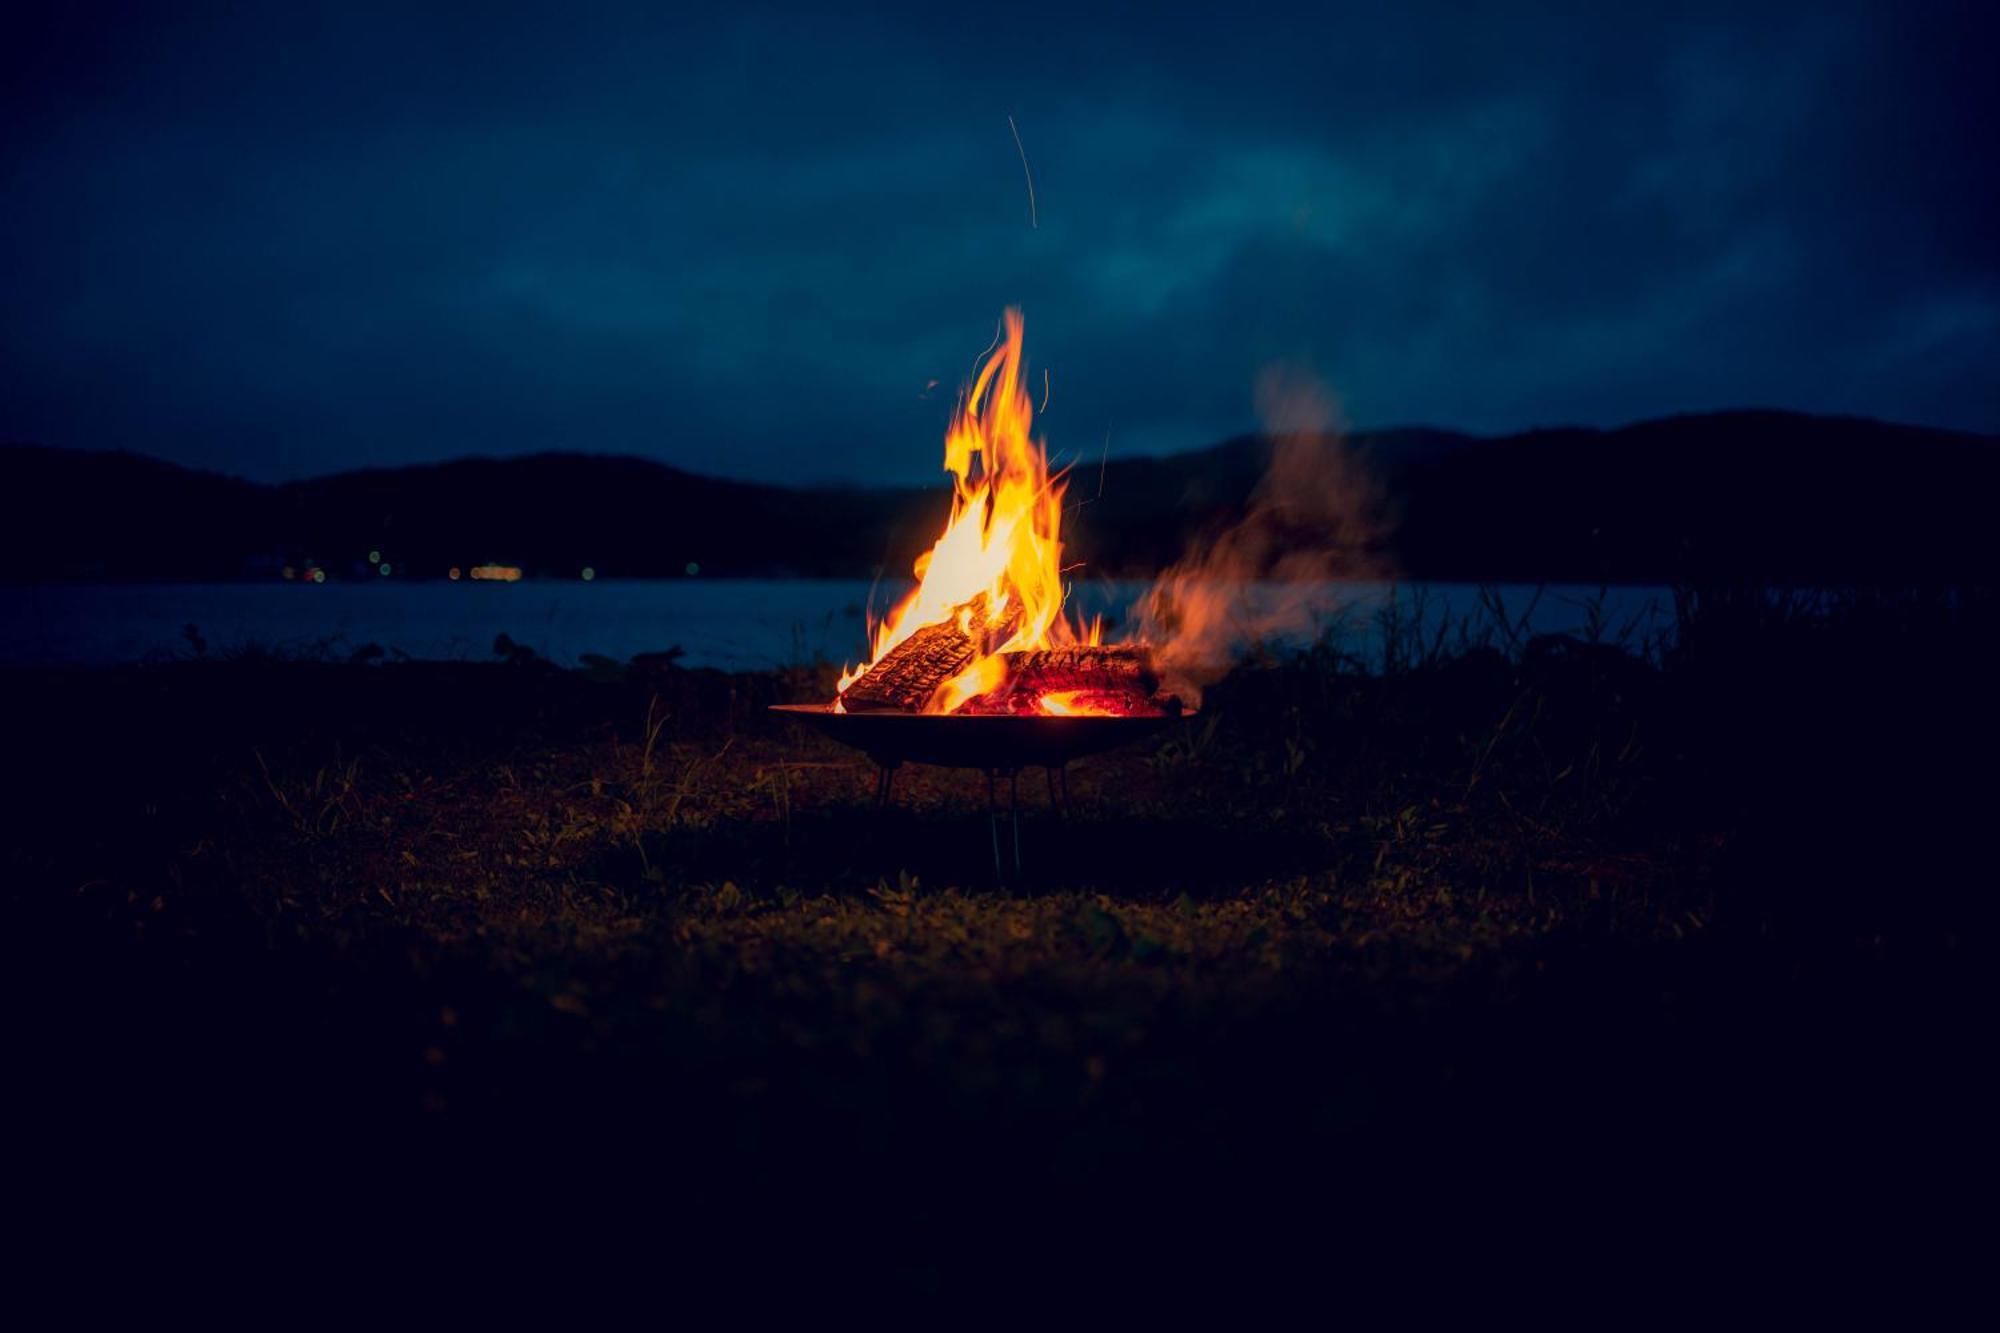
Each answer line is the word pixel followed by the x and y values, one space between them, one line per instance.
pixel 1752 495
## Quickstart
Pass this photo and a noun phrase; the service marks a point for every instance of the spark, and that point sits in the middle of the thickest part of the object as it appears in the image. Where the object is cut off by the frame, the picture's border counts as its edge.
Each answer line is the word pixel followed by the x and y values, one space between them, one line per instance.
pixel 1103 460
pixel 1045 390
pixel 999 332
pixel 1034 218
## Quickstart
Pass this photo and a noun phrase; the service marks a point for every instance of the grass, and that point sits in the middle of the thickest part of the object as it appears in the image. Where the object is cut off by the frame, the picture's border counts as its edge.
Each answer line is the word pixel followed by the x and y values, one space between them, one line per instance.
pixel 1508 907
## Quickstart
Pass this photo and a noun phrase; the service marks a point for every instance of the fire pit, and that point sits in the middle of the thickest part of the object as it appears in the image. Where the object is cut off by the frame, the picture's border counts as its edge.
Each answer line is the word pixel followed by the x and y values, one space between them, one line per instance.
pixel 979 667
pixel 994 743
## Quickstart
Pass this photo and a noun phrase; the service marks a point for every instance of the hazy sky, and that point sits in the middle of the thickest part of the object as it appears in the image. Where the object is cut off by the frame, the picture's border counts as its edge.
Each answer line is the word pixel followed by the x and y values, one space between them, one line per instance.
pixel 279 242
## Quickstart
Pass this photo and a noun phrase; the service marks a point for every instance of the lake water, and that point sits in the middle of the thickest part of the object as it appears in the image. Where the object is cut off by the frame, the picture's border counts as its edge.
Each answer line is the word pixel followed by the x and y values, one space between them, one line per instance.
pixel 732 624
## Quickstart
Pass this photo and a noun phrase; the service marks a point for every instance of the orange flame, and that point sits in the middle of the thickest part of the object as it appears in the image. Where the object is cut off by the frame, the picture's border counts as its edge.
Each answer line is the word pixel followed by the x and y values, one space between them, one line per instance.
pixel 1003 538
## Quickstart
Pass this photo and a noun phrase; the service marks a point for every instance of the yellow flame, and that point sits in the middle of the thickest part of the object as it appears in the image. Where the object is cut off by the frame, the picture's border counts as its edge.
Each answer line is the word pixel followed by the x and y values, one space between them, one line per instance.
pixel 987 673
pixel 1003 538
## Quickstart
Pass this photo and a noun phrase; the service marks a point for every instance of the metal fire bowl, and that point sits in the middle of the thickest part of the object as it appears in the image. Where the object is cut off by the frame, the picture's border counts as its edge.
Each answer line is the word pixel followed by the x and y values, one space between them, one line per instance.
pixel 996 744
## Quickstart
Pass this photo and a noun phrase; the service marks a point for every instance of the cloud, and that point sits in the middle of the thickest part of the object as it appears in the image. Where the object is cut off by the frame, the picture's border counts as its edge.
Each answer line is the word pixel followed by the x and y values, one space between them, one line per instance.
pixel 295 241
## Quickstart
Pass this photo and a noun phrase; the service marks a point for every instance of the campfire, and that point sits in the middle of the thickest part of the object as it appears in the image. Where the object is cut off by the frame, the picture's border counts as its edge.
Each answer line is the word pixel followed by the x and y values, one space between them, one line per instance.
pixel 982 667
pixel 985 632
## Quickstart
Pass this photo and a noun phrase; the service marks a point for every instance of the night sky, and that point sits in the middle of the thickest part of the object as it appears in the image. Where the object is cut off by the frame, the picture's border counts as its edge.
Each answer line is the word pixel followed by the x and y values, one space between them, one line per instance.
pixel 277 243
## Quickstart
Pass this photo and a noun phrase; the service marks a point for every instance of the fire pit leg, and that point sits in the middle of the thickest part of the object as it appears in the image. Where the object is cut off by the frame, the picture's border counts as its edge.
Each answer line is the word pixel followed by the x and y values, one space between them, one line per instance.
pixel 993 823
pixel 1014 813
pixel 885 781
pixel 1058 802
pixel 1013 817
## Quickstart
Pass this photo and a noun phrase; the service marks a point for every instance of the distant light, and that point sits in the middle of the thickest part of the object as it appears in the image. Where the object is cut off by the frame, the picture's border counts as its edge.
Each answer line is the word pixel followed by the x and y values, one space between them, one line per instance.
pixel 588 573
pixel 694 567
pixel 454 571
pixel 497 573
pixel 374 557
pixel 319 576
pixel 289 572
pixel 385 568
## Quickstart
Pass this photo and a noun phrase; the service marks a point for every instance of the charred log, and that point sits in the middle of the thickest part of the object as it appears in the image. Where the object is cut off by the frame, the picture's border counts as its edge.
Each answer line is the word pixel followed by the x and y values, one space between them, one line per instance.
pixel 1083 678
pixel 1099 668
pixel 910 673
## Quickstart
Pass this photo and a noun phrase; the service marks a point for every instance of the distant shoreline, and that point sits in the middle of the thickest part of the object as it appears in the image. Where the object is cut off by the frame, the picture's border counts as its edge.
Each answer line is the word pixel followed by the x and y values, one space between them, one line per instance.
pixel 731 624
pixel 1747 497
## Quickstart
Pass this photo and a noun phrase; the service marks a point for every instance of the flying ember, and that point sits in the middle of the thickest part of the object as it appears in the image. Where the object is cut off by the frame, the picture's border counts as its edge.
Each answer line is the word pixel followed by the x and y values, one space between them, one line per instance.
pixel 985 630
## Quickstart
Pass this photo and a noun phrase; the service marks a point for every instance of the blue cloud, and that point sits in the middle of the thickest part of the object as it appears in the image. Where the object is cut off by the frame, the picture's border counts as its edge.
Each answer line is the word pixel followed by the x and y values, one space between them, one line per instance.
pixel 294 241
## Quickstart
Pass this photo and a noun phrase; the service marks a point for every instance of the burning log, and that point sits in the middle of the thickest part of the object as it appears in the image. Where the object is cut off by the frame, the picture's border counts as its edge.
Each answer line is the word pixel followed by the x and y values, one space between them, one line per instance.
pixel 910 673
pixel 1095 668
pixel 1101 680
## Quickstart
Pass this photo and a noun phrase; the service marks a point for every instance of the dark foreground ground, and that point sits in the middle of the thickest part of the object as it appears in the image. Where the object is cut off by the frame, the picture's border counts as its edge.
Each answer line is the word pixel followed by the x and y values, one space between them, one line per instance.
pixel 1689 953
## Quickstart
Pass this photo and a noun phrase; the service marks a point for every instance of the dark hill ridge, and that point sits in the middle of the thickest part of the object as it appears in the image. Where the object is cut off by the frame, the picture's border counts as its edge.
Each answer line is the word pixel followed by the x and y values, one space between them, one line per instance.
pixel 622 515
pixel 1738 495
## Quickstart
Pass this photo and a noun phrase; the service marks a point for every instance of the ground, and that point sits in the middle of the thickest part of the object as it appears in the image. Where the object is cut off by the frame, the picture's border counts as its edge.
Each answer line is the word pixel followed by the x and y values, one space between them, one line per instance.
pixel 1564 916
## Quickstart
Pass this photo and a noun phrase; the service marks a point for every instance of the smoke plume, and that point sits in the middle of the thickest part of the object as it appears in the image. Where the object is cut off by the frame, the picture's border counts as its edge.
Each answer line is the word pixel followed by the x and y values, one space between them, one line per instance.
pixel 1315 518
